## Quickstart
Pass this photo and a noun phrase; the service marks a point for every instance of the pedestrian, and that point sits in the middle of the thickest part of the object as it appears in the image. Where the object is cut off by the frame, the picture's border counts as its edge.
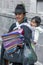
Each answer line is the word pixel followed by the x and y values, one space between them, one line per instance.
pixel 20 15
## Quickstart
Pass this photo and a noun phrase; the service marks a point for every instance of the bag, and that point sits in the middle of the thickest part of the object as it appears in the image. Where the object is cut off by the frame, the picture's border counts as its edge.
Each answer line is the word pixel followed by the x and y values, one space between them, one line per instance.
pixel 0 56
pixel 29 55
pixel 12 40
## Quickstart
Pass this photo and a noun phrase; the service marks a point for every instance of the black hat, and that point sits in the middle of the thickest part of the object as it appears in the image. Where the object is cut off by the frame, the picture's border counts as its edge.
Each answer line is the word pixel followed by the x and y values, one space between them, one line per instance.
pixel 20 8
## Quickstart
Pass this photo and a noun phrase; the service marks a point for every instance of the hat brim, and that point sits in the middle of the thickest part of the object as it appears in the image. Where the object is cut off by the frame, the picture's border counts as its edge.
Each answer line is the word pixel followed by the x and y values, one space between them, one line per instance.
pixel 19 11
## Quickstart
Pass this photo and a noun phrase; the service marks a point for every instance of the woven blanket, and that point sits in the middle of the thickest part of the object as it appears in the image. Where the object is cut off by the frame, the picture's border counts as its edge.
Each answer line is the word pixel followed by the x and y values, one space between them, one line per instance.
pixel 12 39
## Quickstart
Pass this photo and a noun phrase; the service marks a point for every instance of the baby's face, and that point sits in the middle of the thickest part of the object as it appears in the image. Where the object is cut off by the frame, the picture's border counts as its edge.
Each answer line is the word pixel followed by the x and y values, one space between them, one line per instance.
pixel 33 23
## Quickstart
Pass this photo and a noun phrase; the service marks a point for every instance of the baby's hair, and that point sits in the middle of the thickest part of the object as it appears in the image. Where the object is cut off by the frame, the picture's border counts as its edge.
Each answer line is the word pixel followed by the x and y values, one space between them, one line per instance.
pixel 37 20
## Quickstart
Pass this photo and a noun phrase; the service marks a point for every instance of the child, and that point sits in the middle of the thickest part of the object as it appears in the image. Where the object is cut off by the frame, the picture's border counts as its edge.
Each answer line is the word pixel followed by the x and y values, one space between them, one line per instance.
pixel 36 29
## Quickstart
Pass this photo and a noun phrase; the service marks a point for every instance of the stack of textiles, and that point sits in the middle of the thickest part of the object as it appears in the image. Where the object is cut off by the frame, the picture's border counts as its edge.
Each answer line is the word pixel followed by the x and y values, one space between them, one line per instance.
pixel 12 39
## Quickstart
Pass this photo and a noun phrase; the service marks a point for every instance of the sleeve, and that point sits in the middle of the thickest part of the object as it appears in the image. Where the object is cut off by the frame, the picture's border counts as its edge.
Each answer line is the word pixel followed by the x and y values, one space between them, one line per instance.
pixel 37 32
pixel 41 30
pixel 2 54
pixel 27 34
pixel 12 26
pixel 36 35
pixel 2 47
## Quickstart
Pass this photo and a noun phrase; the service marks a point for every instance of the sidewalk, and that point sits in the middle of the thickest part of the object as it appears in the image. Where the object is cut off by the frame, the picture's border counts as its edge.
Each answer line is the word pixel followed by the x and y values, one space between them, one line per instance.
pixel 38 63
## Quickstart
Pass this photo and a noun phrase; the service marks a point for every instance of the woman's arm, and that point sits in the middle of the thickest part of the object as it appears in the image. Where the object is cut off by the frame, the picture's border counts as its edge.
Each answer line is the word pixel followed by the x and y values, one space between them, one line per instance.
pixel 27 34
pixel 2 48
pixel 11 27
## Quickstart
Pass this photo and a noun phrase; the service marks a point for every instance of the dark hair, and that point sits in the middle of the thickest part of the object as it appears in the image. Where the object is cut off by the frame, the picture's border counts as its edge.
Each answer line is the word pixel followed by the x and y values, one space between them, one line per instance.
pixel 37 20
pixel 20 8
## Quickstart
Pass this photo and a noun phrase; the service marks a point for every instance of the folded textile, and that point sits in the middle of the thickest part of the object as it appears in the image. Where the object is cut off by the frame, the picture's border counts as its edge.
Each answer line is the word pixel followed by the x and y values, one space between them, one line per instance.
pixel 12 39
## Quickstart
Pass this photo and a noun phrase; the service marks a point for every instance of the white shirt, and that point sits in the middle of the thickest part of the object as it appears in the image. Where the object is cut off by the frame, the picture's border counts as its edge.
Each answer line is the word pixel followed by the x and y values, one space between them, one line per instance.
pixel 35 32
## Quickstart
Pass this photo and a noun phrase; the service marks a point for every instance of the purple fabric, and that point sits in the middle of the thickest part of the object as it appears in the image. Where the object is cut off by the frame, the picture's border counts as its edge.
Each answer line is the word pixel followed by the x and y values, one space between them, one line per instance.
pixel 13 42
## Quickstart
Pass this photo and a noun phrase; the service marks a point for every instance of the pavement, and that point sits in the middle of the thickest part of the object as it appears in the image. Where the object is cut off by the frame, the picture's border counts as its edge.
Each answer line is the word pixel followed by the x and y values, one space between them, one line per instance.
pixel 38 63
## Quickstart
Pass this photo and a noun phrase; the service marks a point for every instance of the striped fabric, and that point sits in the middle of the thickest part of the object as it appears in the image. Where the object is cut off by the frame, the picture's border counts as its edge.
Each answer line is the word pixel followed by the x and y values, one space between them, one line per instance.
pixel 12 39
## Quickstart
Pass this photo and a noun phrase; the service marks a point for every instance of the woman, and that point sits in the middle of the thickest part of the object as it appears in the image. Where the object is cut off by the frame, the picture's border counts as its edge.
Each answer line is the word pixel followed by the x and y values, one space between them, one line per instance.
pixel 20 14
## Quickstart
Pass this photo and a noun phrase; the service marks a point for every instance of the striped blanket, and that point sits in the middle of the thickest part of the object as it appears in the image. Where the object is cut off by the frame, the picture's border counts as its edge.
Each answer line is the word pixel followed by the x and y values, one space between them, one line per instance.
pixel 12 39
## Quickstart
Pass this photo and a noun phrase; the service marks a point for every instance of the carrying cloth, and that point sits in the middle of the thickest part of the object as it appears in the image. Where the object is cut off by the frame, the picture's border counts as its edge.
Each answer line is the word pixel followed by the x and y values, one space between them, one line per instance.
pixel 29 55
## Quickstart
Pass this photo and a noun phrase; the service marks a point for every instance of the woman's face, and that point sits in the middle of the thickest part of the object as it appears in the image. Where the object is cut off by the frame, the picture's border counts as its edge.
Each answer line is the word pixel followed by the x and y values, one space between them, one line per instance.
pixel 33 23
pixel 19 17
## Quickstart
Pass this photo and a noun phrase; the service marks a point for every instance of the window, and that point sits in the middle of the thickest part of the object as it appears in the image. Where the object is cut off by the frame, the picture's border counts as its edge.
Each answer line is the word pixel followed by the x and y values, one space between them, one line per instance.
pixel 40 6
pixel 39 0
